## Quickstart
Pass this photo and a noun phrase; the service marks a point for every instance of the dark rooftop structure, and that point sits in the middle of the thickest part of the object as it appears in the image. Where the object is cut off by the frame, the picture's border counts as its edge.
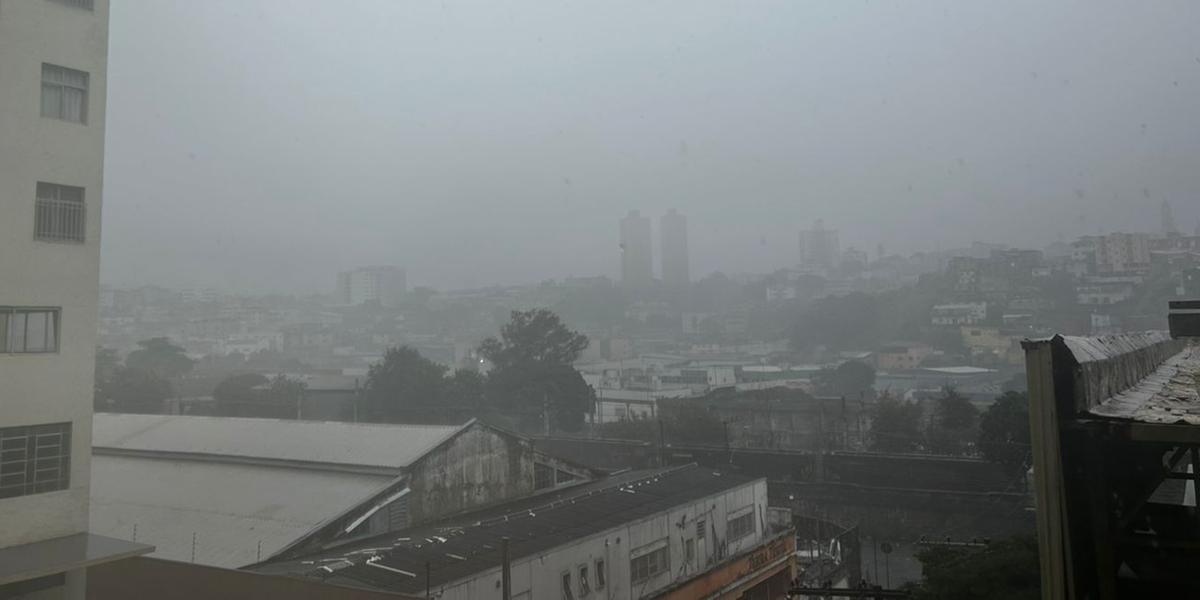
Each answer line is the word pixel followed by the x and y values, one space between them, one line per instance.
pixel 1116 447
pixel 459 547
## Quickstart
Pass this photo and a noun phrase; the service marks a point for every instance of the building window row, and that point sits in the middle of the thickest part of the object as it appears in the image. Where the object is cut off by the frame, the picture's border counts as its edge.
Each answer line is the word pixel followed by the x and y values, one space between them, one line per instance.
pixel 60 215
pixel 740 527
pixel 64 93
pixel 650 564
pixel 84 4
pixel 28 330
pixel 35 459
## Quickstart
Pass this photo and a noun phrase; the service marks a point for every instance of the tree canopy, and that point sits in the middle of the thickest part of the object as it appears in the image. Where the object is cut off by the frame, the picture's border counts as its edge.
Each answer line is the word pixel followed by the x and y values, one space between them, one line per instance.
pixel 534 336
pixel 404 380
pixel 133 390
pixel 1004 430
pixel 850 379
pixel 1005 569
pixel 236 392
pixel 532 372
pixel 895 425
pixel 161 357
pixel 954 424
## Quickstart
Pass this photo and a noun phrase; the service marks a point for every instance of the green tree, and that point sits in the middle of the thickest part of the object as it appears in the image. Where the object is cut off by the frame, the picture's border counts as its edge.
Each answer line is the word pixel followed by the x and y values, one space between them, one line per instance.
pixel 1004 430
pixel 236 394
pixel 161 357
pixel 403 382
pixel 134 390
pixel 533 337
pixel 895 425
pixel 531 370
pixel 464 389
pixel 1005 569
pixel 283 397
pixel 107 363
pixel 851 379
pixel 954 425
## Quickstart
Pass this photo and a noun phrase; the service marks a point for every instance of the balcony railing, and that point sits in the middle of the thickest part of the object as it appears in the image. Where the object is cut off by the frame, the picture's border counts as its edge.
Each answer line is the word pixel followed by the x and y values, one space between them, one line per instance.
pixel 60 221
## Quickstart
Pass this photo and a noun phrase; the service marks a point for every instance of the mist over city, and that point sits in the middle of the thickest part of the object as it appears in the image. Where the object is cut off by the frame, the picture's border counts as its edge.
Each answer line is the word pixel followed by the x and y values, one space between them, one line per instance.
pixel 460 300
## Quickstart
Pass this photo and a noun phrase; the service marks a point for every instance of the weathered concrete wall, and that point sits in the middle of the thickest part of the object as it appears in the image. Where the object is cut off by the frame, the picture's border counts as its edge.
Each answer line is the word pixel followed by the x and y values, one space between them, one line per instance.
pixel 480 466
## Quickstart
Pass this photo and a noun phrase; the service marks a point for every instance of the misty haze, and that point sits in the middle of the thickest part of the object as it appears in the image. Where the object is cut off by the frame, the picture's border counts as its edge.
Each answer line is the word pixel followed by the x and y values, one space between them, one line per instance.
pixel 578 301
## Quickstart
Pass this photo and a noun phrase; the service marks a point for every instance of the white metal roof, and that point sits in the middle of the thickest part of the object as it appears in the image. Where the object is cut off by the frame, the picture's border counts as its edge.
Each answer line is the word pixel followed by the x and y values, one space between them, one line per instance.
pixel 230 508
pixel 329 442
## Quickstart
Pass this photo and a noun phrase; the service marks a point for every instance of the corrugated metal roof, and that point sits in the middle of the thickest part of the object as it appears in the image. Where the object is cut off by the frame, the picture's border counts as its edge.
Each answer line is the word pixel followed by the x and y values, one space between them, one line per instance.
pixel 374 445
pixel 466 544
pixel 230 508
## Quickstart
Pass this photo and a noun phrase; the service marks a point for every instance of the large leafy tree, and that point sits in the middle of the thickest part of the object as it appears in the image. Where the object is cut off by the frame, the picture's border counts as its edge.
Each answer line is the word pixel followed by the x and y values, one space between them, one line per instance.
pixel 850 379
pixel 403 382
pixel 533 337
pixel 895 425
pixel 134 390
pixel 954 424
pixel 236 394
pixel 161 357
pixel 1002 570
pixel 531 372
pixel 1004 430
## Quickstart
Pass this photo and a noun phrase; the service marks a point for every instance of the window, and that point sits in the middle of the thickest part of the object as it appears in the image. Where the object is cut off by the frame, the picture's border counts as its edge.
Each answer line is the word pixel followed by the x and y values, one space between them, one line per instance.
pixel 34 459
pixel 700 529
pixel 28 330
pixel 600 576
pixel 64 93
pixel 84 4
pixel 740 527
pixel 584 587
pixel 650 564
pixel 567 594
pixel 543 476
pixel 60 215
pixel 689 551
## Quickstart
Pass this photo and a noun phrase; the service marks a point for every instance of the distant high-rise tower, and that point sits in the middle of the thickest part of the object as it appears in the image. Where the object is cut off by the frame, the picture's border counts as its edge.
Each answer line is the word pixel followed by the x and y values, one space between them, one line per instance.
pixel 384 286
pixel 819 247
pixel 673 229
pixel 1168 219
pixel 637 263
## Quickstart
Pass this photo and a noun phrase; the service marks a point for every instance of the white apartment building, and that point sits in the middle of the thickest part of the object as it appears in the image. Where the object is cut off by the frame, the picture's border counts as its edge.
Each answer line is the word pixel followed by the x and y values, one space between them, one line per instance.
pixel 384 286
pixel 52 92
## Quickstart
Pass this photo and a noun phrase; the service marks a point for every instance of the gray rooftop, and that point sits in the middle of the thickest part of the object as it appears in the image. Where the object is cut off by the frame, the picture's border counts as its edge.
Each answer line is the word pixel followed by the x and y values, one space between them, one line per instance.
pixel 230 507
pixel 321 442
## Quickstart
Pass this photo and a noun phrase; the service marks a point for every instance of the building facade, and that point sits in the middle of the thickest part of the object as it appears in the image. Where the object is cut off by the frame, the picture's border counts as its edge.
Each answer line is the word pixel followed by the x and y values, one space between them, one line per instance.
pixel 819 248
pixel 52 91
pixel 675 267
pixel 384 286
pixel 637 266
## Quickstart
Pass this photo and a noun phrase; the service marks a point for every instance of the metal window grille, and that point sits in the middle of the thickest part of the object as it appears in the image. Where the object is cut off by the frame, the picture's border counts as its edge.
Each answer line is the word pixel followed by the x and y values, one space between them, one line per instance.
pixel 28 330
pixel 64 93
pixel 35 459
pixel 61 215
pixel 84 4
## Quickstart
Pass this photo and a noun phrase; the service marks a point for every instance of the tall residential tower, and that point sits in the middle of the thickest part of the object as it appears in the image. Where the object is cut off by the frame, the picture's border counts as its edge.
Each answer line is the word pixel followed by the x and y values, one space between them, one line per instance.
pixel 53 55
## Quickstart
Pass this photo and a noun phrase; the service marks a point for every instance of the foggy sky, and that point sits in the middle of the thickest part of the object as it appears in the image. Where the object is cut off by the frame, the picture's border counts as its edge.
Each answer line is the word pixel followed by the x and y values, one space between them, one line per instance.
pixel 264 145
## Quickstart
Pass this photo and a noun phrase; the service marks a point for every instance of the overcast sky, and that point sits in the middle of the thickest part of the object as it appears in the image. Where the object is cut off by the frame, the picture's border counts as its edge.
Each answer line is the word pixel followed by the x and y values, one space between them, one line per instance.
pixel 264 145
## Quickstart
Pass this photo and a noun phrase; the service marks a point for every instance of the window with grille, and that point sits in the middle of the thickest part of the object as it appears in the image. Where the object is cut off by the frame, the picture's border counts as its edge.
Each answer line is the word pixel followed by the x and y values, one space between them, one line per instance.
pixel 650 564
pixel 543 476
pixel 34 459
pixel 28 330
pixel 700 529
pixel 585 587
pixel 60 214
pixel 64 93
pixel 84 4
pixel 600 576
pixel 740 527
pixel 566 586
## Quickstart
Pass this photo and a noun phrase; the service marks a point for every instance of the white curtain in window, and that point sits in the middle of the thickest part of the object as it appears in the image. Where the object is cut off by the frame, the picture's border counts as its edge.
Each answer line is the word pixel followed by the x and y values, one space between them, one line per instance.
pixel 73 100
pixel 51 100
